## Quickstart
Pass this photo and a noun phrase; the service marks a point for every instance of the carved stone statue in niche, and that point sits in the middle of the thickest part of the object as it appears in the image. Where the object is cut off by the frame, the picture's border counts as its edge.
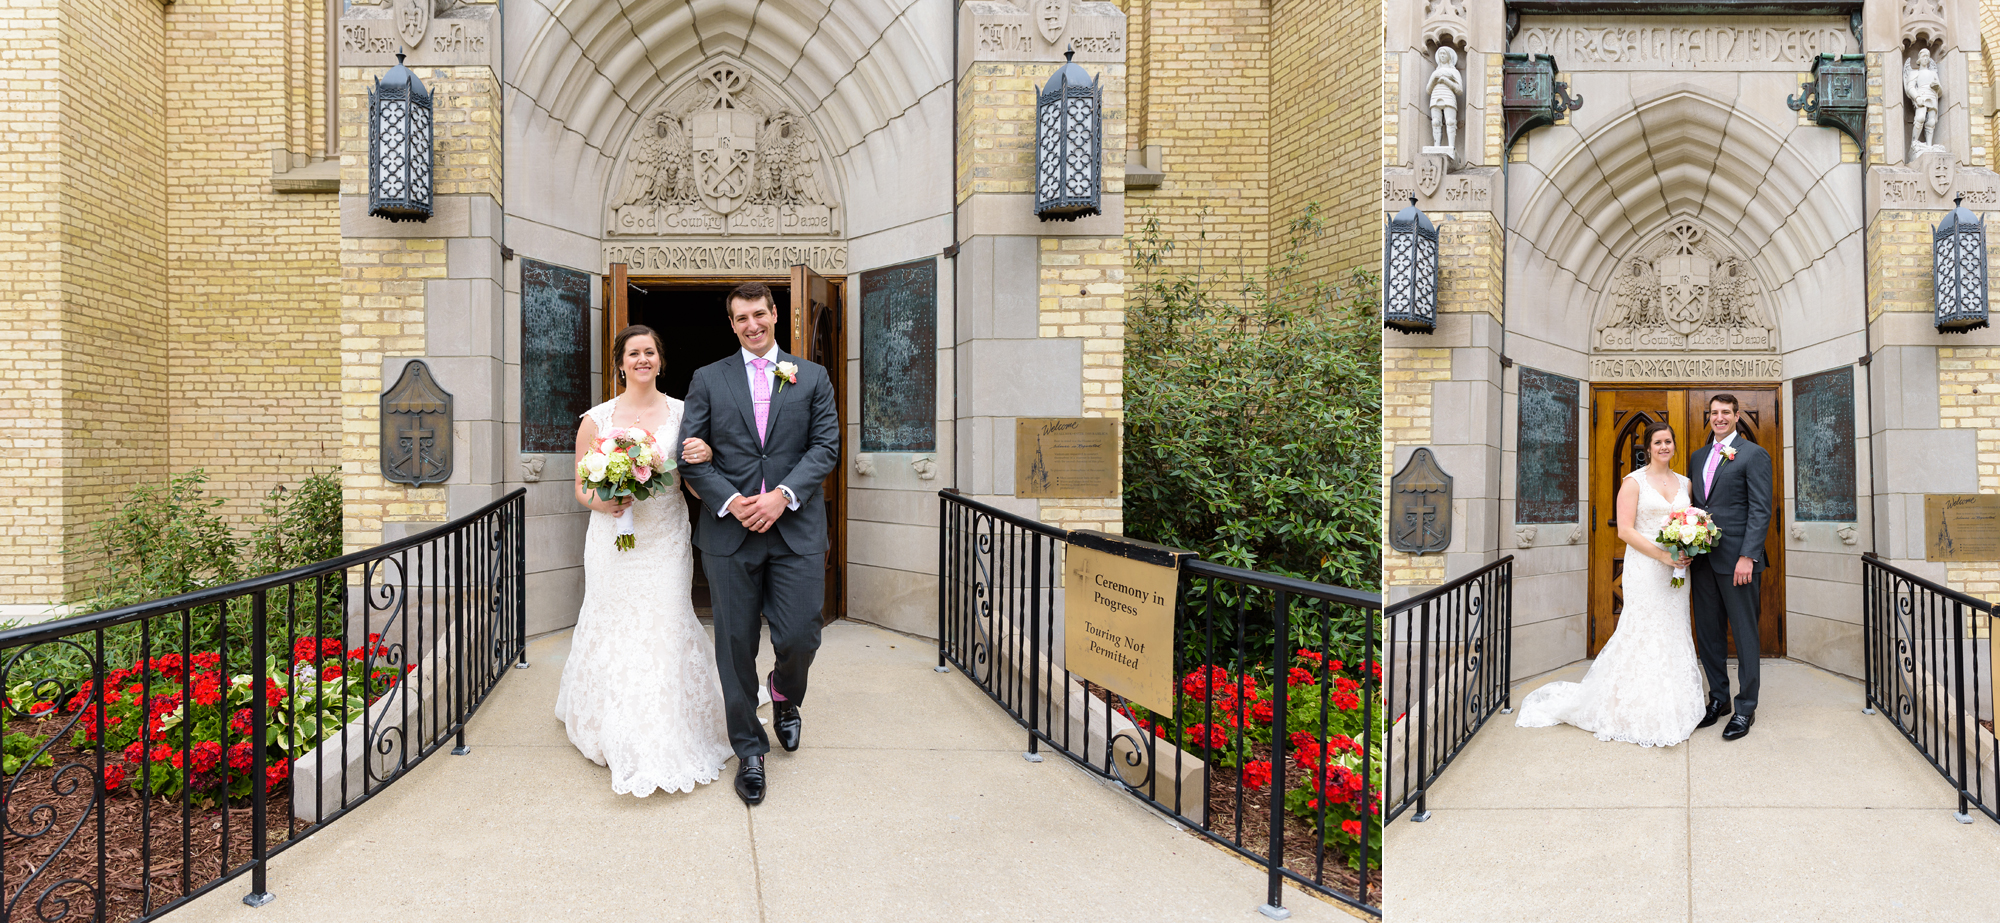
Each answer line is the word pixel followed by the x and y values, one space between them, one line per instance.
pixel 1445 85
pixel 1683 292
pixel 724 155
pixel 1923 89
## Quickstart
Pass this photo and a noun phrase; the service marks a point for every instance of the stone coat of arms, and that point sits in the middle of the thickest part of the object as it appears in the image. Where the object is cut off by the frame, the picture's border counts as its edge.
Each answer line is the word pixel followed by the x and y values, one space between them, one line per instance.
pixel 1684 292
pixel 1052 18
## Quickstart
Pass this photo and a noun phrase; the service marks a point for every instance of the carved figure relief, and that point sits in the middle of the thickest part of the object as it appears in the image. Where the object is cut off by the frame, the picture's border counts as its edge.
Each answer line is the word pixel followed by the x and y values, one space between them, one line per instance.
pixel 1684 292
pixel 1445 85
pixel 1922 88
pixel 724 155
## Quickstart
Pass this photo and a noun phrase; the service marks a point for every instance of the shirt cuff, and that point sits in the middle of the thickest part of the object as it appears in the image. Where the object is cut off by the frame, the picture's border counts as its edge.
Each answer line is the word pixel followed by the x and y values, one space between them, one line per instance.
pixel 725 506
pixel 791 499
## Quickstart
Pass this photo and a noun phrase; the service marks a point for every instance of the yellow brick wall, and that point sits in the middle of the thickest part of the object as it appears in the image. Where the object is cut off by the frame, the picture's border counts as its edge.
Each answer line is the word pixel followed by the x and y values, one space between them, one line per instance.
pixel 1899 262
pixel 996 126
pixel 1082 295
pixel 113 244
pixel 1206 69
pixel 1969 398
pixel 255 328
pixel 1324 118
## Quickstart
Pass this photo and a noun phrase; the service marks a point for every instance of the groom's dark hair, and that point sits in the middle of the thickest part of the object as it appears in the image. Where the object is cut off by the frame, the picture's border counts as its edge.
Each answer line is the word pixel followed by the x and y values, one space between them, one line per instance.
pixel 749 291
pixel 1725 398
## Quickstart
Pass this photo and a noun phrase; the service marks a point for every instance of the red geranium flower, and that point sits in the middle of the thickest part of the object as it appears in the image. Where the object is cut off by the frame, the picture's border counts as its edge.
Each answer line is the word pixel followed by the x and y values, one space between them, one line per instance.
pixel 1257 773
pixel 206 755
pixel 1262 712
pixel 277 772
pixel 1346 701
pixel 114 776
pixel 241 722
pixel 1207 735
pixel 1344 684
pixel 1300 676
pixel 1351 828
pixel 240 757
pixel 1306 653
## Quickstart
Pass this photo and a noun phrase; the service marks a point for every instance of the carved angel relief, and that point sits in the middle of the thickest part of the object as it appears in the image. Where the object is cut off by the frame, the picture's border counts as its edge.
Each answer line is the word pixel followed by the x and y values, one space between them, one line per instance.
pixel 1684 292
pixel 723 156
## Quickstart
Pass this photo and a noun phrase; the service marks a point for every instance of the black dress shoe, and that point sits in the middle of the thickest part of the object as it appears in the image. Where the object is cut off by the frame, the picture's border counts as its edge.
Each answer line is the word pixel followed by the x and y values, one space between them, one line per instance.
pixel 785 717
pixel 1738 726
pixel 750 779
pixel 1716 709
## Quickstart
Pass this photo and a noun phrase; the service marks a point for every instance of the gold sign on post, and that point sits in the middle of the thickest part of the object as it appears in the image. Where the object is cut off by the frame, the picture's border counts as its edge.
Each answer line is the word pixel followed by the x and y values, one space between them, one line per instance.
pixel 1067 458
pixel 1962 527
pixel 1118 616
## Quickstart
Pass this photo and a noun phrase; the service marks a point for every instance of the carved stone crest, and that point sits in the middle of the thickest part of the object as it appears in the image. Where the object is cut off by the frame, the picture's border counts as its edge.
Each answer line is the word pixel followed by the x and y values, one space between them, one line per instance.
pixel 1939 169
pixel 1684 292
pixel 1420 506
pixel 1430 172
pixel 724 155
pixel 416 429
pixel 413 19
pixel 1051 18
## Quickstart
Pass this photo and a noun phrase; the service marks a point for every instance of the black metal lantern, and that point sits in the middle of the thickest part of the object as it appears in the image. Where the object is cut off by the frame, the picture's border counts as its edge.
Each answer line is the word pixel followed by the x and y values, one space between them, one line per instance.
pixel 1410 272
pixel 1069 132
pixel 1958 265
pixel 399 146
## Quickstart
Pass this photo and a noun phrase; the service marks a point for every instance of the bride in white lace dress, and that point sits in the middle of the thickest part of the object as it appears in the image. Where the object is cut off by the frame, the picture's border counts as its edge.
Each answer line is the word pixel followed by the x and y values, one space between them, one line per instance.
pixel 1645 687
pixel 639 692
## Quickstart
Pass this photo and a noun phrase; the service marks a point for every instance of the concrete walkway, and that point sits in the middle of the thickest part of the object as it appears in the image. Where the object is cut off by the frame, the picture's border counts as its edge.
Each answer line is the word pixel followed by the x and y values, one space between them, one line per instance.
pixel 1822 813
pixel 909 800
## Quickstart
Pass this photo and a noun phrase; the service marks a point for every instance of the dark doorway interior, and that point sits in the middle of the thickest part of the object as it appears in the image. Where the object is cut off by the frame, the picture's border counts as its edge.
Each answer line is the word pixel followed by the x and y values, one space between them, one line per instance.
pixel 694 323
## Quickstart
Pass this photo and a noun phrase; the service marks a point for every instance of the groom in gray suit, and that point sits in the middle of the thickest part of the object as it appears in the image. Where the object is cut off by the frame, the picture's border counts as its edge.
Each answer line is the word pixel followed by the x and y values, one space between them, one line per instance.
pixel 769 416
pixel 1732 481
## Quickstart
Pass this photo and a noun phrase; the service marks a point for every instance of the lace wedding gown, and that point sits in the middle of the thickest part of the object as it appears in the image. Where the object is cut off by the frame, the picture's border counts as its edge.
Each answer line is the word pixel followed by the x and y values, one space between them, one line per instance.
pixel 639 693
pixel 1645 687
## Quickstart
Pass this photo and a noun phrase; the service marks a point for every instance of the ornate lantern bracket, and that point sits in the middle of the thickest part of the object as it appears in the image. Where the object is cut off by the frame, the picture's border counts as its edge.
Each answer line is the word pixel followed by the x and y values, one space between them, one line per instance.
pixel 1069 149
pixel 399 146
pixel 1410 272
pixel 1837 96
pixel 1958 269
pixel 1531 96
pixel 416 428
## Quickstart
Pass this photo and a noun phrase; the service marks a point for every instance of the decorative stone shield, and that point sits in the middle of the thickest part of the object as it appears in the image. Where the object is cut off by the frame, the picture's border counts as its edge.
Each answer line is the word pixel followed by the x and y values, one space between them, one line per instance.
pixel 1430 172
pixel 1939 169
pixel 1052 17
pixel 413 19
pixel 416 429
pixel 725 155
pixel 1684 290
pixel 1420 506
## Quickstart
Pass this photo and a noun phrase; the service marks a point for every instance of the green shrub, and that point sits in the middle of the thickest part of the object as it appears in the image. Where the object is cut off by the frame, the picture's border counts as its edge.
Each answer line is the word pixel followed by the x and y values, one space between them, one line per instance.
pixel 1253 420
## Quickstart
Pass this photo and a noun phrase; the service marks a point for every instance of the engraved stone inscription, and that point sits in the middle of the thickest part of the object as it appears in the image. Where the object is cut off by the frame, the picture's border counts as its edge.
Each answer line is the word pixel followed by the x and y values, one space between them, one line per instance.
pixel 1546 463
pixel 1823 425
pixel 1649 43
pixel 436 33
pixel 1686 368
pixel 1041 30
pixel 899 358
pixel 725 258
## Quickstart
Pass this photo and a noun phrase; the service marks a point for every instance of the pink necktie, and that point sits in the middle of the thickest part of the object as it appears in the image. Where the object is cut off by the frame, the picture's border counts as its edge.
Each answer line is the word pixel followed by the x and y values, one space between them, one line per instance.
pixel 1707 471
pixel 760 394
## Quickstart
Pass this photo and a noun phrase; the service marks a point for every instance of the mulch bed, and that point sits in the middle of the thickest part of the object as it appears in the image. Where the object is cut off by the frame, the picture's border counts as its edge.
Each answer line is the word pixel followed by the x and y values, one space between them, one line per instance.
pixel 55 801
pixel 1301 838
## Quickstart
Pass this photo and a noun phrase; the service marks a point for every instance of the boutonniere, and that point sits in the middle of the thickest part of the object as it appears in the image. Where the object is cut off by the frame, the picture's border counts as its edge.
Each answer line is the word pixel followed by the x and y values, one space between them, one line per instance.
pixel 1729 453
pixel 788 373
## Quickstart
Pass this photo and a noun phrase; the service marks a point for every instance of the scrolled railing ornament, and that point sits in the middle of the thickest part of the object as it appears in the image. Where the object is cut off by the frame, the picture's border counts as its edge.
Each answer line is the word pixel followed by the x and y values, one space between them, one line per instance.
pixel 43 819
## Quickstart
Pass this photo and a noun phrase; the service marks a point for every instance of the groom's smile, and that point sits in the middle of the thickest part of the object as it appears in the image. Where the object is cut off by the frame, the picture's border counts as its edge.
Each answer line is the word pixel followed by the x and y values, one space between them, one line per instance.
pixel 752 321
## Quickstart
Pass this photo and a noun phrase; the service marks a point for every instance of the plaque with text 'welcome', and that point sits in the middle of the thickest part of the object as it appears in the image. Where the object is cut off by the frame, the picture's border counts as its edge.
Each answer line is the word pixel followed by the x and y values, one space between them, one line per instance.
pixel 1068 458
pixel 1118 616
pixel 1962 527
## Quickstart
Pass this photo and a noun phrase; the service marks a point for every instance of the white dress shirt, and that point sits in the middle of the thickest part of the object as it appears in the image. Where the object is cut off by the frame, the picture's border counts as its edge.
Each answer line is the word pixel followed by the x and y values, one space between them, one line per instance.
pixel 750 374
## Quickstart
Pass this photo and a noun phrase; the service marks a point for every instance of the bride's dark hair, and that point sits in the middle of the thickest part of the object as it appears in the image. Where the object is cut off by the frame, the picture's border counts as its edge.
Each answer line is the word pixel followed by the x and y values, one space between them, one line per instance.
pixel 1647 439
pixel 618 346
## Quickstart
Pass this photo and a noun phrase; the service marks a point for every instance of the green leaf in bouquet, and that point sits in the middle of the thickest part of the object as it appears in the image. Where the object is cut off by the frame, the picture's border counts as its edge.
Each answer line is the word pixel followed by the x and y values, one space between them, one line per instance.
pixel 604 493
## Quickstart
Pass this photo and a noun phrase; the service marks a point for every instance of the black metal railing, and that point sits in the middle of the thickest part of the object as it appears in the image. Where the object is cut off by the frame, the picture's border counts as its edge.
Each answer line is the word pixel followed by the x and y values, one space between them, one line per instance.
pixel 1922 671
pixel 1450 655
pixel 1255 654
pixel 158 750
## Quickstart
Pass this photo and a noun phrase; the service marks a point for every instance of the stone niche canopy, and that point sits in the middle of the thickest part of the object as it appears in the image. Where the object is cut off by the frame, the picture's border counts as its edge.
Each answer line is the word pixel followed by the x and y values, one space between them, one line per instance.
pixel 1684 291
pixel 724 155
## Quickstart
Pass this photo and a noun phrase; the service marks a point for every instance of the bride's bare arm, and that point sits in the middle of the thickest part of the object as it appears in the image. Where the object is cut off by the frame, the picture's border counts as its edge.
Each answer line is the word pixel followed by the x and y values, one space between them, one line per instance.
pixel 1628 517
pixel 586 437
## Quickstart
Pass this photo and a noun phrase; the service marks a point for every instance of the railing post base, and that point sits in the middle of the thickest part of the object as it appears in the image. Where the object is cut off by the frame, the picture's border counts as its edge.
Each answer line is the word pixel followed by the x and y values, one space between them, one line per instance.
pixel 1508 710
pixel 1420 817
pixel 1274 912
pixel 1961 816
pixel 460 750
pixel 1867 711
pixel 1032 757
pixel 259 898
pixel 942 669
pixel 521 666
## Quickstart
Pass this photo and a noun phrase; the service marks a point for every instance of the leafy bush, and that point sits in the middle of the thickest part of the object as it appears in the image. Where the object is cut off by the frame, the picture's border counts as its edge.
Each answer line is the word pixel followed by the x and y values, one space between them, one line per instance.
pixel 1253 426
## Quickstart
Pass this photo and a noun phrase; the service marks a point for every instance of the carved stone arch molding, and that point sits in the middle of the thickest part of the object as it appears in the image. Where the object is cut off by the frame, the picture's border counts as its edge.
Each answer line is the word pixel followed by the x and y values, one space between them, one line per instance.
pixel 723 152
pixel 1685 289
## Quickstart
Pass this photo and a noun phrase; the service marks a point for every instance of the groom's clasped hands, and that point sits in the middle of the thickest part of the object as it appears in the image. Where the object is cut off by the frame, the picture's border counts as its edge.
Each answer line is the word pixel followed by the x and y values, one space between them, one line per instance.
pixel 760 512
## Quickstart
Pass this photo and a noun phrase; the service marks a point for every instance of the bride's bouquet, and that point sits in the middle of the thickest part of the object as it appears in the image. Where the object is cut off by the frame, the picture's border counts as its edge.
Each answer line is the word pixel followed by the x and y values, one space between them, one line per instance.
pixel 1687 531
pixel 626 463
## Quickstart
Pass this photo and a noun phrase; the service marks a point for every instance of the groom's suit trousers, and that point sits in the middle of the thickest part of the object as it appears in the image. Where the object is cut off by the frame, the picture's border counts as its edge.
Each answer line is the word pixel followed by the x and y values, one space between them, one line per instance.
pixel 763 576
pixel 1717 603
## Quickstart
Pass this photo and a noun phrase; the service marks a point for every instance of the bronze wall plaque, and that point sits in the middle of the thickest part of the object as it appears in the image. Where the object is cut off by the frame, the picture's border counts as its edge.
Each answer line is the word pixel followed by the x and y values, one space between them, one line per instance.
pixel 1823 425
pixel 416 429
pixel 1545 460
pixel 1068 458
pixel 899 358
pixel 1962 527
pixel 1420 506
pixel 555 355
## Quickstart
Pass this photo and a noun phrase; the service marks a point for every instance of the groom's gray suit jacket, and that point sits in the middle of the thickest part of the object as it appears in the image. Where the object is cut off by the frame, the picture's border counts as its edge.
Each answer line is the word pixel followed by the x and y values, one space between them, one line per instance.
pixel 801 449
pixel 1739 504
